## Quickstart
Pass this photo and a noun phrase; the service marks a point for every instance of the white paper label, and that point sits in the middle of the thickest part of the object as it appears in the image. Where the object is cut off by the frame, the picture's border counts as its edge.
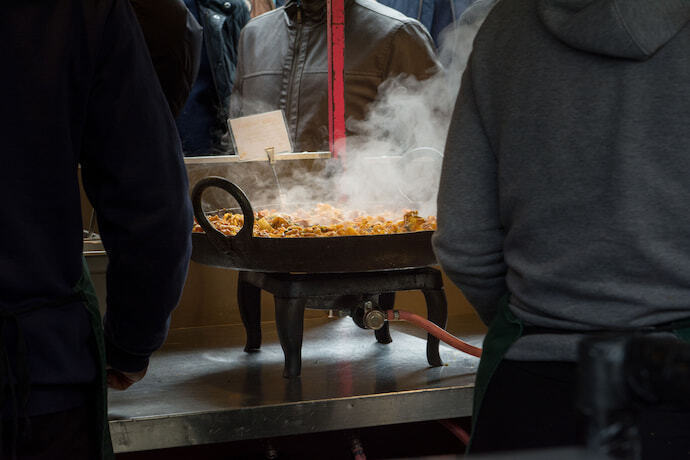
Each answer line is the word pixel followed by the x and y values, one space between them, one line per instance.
pixel 253 134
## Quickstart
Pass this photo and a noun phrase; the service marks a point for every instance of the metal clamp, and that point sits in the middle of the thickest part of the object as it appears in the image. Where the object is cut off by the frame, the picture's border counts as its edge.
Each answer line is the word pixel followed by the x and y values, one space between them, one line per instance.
pixel 373 317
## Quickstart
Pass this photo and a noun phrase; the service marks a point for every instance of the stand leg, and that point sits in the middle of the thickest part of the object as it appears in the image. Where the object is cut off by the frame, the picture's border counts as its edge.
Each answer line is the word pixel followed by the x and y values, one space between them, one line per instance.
pixel 249 302
pixel 437 313
pixel 386 302
pixel 290 325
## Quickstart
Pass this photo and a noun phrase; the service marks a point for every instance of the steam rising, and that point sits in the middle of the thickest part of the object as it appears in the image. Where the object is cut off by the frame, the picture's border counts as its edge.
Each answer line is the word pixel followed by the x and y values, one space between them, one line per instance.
pixel 394 158
pixel 409 120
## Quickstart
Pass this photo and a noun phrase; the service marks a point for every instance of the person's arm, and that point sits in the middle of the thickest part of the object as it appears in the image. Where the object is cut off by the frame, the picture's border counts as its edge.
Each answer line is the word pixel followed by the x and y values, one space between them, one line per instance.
pixel 412 53
pixel 134 176
pixel 469 240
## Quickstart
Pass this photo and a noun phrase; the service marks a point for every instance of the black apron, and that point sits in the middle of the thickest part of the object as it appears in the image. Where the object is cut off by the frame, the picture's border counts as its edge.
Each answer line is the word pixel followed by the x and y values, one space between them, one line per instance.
pixel 19 392
pixel 503 332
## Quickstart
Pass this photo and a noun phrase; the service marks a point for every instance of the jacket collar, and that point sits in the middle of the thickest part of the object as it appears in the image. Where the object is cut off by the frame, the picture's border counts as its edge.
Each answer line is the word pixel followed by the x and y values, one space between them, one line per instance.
pixel 310 11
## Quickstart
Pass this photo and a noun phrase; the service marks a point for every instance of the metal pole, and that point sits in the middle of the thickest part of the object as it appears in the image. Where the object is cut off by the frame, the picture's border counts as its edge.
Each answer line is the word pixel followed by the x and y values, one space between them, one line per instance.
pixel 336 76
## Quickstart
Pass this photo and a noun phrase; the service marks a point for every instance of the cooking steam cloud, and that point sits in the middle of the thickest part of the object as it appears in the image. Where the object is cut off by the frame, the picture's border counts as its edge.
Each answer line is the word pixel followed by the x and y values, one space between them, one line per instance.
pixel 394 156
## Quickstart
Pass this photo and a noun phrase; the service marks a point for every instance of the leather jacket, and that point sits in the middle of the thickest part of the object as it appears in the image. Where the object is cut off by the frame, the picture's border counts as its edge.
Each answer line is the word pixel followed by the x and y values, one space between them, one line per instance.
pixel 283 63
pixel 435 15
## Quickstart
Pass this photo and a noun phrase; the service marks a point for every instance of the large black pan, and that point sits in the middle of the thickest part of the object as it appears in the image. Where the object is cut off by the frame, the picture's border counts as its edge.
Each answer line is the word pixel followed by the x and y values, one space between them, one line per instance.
pixel 312 255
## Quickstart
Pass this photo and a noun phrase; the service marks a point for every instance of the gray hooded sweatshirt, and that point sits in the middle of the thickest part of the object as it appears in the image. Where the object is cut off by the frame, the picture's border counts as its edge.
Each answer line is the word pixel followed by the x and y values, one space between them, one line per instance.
pixel 566 177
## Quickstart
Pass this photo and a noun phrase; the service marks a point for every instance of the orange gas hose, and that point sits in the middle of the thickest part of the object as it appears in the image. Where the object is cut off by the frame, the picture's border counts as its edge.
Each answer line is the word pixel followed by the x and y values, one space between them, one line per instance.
pixel 434 330
pixel 456 430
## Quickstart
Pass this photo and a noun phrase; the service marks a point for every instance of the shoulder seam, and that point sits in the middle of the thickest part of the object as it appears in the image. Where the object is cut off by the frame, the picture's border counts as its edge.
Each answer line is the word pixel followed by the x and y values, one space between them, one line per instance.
pixel 403 20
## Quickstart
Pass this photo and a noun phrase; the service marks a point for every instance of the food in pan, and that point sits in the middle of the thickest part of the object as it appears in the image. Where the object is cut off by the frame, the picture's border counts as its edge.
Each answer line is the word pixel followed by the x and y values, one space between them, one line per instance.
pixel 324 220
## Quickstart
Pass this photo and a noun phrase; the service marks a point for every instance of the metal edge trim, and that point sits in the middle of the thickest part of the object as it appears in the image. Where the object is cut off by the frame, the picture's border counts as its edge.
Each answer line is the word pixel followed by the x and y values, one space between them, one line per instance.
pixel 301 417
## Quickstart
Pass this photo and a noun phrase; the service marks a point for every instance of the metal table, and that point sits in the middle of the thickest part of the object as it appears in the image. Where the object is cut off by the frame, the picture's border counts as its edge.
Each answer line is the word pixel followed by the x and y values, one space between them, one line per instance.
pixel 203 388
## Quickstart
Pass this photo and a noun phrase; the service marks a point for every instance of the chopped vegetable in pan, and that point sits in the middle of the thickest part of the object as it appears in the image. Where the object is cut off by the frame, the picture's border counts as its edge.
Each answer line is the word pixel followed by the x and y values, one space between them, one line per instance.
pixel 323 221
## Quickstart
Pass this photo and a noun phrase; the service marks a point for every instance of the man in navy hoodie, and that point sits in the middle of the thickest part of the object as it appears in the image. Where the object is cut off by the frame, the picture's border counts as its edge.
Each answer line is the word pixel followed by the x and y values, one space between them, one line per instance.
pixel 80 89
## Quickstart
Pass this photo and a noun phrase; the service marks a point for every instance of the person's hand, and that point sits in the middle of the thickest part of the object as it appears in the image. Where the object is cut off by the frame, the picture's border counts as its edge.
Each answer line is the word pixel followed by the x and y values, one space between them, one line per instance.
pixel 121 380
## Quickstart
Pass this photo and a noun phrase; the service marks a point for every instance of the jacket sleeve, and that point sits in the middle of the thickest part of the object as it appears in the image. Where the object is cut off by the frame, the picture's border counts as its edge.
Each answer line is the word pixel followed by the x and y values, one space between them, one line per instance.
pixel 134 176
pixel 412 52
pixel 469 240
pixel 173 37
pixel 235 104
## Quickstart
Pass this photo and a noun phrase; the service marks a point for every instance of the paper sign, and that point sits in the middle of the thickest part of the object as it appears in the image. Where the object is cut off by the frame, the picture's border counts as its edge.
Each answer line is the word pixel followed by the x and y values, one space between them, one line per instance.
pixel 253 134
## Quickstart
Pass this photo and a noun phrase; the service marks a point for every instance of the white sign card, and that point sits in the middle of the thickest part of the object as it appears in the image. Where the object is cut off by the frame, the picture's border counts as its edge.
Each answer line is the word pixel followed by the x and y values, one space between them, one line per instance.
pixel 253 134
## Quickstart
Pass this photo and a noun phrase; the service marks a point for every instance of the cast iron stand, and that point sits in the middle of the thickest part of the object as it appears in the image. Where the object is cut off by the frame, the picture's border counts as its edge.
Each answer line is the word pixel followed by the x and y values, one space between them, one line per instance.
pixel 333 291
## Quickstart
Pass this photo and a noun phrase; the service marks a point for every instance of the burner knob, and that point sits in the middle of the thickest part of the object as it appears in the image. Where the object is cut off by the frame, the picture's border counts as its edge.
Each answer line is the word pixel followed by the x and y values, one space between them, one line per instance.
pixel 374 319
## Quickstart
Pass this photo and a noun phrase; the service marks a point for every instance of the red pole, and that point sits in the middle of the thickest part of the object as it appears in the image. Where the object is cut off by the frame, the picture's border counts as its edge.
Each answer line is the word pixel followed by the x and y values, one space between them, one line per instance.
pixel 336 76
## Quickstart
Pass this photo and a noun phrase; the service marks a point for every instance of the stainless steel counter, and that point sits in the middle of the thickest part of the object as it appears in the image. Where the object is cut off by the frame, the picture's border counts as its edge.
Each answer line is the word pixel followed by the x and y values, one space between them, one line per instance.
pixel 202 387
pixel 97 261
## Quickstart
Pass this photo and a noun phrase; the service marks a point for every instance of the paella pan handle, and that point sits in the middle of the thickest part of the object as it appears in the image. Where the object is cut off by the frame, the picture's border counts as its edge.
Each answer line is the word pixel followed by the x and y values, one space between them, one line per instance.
pixel 237 193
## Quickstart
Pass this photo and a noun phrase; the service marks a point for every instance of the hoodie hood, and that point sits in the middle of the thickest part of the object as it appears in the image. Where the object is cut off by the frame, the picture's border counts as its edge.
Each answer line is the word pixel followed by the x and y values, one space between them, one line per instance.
pixel 631 29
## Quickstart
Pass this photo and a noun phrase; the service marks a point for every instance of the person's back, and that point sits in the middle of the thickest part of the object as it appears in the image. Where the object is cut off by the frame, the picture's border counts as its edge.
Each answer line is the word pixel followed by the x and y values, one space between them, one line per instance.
pixel 585 112
pixel 80 89
pixel 563 204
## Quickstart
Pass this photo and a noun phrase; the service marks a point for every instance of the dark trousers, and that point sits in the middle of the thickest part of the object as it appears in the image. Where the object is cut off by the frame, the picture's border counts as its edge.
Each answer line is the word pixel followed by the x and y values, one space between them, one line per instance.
pixel 67 435
pixel 531 405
